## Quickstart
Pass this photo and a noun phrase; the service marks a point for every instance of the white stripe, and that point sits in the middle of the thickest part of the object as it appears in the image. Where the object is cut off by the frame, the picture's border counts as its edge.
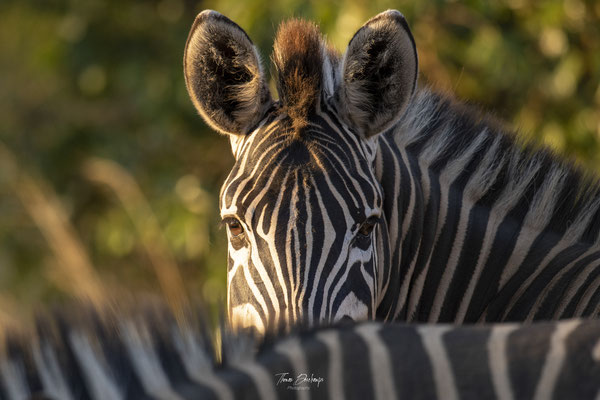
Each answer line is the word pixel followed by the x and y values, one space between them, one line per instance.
pixel 354 144
pixel 596 351
pixel 587 296
pixel 99 380
pixel 574 287
pixel 498 362
pixel 145 362
pixel 262 378
pixel 442 214
pixel 334 374
pixel 560 246
pixel 452 263
pixel 52 378
pixel 341 261
pixel 379 361
pixel 270 237
pixel 292 350
pixel 450 173
pixel 308 251
pixel 292 237
pixel 406 225
pixel 554 359
pixel 550 285
pixel 442 372
pixel 486 247
pixel 537 218
pixel 329 239
pixel 13 378
pixel 198 365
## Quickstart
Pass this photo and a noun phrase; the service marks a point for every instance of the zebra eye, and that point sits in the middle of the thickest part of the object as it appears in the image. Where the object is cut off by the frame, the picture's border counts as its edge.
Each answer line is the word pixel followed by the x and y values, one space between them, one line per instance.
pixel 367 227
pixel 234 226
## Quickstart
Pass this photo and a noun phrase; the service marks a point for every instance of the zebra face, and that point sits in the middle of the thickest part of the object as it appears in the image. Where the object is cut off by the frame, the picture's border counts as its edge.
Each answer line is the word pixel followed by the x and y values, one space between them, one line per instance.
pixel 302 204
pixel 301 216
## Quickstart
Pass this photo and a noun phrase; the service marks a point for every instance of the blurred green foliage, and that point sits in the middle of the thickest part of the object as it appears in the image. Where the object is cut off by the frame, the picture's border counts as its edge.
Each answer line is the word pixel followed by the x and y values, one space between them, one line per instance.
pixel 103 79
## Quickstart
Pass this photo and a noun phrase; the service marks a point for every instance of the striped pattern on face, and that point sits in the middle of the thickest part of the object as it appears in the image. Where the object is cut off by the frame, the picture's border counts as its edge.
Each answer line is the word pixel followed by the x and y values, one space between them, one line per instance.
pixel 150 357
pixel 302 200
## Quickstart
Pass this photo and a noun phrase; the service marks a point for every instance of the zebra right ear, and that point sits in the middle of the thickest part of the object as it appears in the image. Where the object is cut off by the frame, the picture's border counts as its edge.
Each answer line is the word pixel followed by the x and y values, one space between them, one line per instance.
pixel 379 74
pixel 223 75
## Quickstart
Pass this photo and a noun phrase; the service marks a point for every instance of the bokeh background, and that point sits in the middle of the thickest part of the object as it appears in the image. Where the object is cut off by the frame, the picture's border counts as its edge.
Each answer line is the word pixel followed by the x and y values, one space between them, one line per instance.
pixel 109 179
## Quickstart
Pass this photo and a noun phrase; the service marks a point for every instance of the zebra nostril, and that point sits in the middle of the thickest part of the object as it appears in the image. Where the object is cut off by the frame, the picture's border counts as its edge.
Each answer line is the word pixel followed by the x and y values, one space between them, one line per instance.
pixel 347 318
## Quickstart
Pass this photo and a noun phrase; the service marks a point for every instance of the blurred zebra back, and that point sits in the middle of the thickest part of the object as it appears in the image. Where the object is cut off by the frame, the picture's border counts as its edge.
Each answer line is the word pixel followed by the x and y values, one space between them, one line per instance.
pixel 144 353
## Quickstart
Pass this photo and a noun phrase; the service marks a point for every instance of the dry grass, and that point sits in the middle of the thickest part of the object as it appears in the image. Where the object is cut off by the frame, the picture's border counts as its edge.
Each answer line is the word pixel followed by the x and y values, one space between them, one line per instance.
pixel 72 269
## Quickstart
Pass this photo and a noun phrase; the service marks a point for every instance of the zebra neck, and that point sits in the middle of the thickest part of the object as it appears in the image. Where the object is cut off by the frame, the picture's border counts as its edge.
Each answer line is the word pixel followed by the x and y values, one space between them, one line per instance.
pixel 482 228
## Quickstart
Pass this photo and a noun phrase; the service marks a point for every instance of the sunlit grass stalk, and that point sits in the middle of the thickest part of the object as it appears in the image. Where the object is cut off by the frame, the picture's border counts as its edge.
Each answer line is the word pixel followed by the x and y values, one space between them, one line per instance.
pixel 45 209
pixel 146 224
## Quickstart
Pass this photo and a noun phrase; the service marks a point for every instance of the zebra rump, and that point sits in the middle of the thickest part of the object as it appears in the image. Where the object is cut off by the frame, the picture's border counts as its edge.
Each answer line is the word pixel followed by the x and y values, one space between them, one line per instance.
pixel 144 353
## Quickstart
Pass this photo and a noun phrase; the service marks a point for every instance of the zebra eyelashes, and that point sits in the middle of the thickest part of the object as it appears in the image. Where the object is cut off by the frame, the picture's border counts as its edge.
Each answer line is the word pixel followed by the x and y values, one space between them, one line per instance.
pixel 362 237
pixel 367 227
pixel 234 226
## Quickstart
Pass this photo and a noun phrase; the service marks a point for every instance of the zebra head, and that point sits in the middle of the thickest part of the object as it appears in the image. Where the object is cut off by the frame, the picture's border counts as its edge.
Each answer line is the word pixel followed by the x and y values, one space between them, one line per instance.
pixel 302 204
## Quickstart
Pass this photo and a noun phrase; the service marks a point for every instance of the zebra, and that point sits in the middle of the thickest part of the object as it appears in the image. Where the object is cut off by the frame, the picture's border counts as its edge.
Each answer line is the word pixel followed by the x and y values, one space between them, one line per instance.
pixel 358 195
pixel 143 353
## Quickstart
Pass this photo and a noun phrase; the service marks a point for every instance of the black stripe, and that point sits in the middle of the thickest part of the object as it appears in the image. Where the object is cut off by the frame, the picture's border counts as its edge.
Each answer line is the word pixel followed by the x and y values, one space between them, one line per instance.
pixel 355 364
pixel 524 304
pixel 556 295
pixel 469 255
pixel 579 376
pixel 540 248
pixel 414 379
pixel 467 352
pixel 526 353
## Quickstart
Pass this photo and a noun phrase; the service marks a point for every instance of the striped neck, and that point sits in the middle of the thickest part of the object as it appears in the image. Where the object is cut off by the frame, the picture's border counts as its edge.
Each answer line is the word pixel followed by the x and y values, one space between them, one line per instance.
pixel 483 228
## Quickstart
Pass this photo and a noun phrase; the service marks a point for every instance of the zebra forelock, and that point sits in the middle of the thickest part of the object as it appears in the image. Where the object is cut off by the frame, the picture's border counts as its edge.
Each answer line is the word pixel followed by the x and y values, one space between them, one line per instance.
pixel 304 65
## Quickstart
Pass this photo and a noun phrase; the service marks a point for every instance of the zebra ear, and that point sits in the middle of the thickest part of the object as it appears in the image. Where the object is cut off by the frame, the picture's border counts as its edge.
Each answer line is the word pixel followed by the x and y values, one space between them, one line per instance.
pixel 223 74
pixel 379 74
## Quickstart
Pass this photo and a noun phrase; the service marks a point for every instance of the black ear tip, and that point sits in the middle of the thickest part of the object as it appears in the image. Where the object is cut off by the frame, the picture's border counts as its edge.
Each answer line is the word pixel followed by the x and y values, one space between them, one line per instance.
pixel 394 15
pixel 201 18
pixel 212 16
pixel 208 14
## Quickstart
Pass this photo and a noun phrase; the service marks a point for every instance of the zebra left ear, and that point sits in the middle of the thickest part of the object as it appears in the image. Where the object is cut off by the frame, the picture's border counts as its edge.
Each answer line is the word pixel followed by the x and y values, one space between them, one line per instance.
pixel 223 75
pixel 379 74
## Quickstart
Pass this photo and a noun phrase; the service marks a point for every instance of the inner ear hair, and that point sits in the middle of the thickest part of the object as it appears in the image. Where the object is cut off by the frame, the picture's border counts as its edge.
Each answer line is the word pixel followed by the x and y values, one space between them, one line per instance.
pixel 379 74
pixel 223 75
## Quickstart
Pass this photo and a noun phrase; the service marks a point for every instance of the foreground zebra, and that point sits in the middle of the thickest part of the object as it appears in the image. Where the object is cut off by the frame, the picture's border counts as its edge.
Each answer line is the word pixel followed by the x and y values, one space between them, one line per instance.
pixel 112 356
pixel 358 196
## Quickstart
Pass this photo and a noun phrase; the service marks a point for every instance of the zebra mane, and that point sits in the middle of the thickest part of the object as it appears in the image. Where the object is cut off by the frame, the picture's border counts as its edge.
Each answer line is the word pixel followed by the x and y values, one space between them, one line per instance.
pixel 497 168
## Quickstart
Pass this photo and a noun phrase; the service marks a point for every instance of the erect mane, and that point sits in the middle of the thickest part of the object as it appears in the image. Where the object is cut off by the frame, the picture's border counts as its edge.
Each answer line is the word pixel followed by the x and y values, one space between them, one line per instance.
pixel 299 53
pixel 532 183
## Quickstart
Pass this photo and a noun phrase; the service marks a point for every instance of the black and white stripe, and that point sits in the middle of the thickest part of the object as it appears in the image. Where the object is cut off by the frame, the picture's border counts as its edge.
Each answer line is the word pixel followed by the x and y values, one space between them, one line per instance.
pixel 151 357
pixel 499 231
pixel 467 223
